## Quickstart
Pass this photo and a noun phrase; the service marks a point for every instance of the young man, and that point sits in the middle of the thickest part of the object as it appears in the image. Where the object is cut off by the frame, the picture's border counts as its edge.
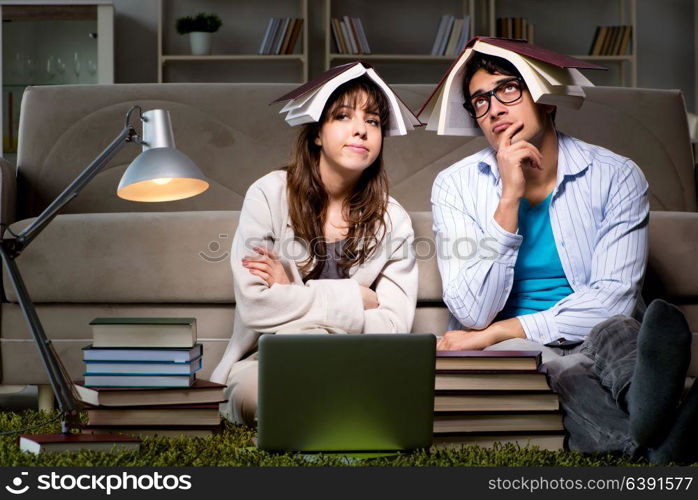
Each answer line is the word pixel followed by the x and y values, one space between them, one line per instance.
pixel 564 224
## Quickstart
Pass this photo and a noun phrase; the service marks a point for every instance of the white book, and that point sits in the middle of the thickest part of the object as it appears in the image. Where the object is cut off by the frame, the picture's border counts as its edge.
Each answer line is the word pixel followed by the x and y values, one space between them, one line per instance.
pixel 307 107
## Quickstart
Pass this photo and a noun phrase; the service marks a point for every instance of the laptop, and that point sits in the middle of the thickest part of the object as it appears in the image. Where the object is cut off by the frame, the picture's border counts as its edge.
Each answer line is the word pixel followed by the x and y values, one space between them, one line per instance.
pixel 346 393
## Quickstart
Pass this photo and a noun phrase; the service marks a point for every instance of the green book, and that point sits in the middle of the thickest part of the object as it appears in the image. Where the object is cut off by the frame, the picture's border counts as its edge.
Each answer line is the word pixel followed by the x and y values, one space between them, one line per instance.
pixel 143 332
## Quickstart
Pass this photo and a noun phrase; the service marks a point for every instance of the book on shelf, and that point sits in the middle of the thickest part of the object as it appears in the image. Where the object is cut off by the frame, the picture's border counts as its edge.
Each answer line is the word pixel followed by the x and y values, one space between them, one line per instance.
pixel 39 443
pixel 297 28
pixel 353 34
pixel 349 37
pixel 143 332
pixel 498 422
pixel 544 440
pixel 464 36
pixel 496 401
pixel 362 35
pixel 487 360
pixel 160 431
pixel 597 41
pixel 337 34
pixel 611 41
pixel 281 36
pixel 286 38
pixel 172 354
pixel 440 33
pixel 265 39
pixel 450 21
pixel 551 78
pixel 142 368
pixel 139 380
pixel 493 381
pixel 625 42
pixel 184 415
pixel 201 391
pixel 514 27
pixel 305 104
pixel 453 38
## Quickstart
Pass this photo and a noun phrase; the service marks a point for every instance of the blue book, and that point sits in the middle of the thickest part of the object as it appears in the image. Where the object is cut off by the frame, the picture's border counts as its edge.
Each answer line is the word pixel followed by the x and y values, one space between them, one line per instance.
pixel 171 354
pixel 139 380
pixel 141 368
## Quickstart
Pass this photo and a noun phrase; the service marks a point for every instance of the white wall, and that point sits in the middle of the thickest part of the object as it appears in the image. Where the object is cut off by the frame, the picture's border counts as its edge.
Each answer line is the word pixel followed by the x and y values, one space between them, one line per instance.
pixel 665 42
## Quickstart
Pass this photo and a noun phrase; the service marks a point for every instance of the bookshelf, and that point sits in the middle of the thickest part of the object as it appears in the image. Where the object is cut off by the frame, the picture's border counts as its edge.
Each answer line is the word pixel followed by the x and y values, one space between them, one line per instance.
pixel 235 45
pixel 561 40
pixel 391 43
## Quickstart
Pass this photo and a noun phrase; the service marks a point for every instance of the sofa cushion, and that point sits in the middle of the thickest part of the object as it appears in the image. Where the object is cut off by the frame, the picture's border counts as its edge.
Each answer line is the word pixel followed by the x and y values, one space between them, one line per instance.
pixel 177 257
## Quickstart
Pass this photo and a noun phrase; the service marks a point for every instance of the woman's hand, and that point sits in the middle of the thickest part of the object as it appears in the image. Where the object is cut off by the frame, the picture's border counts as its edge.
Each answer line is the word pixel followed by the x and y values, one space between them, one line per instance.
pixel 369 297
pixel 267 266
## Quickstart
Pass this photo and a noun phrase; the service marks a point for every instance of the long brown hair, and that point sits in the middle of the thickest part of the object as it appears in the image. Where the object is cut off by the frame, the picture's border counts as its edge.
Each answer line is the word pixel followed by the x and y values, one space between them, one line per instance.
pixel 364 208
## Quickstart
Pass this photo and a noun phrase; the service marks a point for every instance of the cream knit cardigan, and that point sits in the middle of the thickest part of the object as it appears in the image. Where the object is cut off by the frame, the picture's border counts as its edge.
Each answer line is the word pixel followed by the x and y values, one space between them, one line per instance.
pixel 331 305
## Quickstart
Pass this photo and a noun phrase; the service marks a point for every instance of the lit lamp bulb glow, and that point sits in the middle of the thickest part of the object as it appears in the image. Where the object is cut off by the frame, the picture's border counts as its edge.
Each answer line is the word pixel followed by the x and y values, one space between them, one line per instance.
pixel 160 172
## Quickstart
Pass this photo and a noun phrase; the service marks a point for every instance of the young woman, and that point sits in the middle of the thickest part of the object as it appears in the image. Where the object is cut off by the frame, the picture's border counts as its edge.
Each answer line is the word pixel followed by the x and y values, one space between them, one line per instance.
pixel 320 244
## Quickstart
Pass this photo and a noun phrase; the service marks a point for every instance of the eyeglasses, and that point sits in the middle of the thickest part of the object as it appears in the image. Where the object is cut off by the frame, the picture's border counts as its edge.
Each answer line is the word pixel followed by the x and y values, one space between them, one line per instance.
pixel 507 92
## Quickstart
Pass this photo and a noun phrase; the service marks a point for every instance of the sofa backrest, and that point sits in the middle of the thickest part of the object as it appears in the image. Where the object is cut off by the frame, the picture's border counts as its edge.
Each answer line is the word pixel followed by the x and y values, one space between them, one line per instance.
pixel 234 136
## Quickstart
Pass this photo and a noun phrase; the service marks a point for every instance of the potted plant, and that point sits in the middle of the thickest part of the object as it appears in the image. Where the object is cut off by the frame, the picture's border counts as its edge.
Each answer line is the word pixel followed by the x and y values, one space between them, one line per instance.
pixel 199 28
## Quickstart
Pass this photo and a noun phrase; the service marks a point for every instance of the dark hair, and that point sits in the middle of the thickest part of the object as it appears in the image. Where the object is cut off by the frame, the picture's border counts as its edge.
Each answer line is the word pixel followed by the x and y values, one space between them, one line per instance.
pixel 491 64
pixel 365 206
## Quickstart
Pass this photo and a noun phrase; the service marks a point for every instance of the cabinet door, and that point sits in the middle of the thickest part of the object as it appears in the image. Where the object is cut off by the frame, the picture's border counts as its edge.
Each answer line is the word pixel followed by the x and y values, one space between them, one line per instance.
pixel 51 44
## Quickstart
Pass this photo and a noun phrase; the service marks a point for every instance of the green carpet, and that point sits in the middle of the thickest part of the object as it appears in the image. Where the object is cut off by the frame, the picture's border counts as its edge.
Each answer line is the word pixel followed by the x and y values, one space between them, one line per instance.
pixel 232 447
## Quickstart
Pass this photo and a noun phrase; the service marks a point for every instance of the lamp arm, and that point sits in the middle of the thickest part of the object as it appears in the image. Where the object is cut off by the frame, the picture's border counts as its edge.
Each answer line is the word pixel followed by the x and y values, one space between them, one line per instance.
pixel 10 248
pixel 25 237
pixel 60 385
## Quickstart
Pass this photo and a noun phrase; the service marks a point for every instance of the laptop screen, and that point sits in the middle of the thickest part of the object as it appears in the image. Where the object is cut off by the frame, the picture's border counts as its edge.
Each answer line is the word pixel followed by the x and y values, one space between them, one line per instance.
pixel 346 393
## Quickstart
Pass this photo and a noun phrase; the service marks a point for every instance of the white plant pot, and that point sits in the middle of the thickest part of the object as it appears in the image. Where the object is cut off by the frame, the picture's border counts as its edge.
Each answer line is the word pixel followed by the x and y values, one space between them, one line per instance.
pixel 200 42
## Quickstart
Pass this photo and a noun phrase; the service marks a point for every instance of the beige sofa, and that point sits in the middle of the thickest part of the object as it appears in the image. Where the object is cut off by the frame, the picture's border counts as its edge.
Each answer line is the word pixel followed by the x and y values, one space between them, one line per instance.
pixel 106 256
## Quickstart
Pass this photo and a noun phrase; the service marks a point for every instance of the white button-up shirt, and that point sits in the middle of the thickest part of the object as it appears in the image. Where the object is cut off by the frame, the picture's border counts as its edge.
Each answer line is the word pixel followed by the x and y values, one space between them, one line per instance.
pixel 599 215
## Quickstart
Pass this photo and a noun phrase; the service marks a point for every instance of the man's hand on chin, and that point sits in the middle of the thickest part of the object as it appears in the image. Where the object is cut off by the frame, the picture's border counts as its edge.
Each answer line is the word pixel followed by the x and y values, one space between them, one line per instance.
pixel 468 340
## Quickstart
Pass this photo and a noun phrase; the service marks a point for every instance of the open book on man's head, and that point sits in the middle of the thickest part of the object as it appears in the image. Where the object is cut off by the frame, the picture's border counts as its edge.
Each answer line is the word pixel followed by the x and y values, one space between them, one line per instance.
pixel 551 78
pixel 305 104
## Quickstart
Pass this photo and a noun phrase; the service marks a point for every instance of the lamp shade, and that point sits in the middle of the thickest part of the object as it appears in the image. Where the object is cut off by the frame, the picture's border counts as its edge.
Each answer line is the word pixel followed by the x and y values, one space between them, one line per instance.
pixel 160 172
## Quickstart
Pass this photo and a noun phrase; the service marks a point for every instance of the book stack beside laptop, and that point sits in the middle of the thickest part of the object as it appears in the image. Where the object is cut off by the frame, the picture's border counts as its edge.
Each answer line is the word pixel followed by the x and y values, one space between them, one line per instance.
pixel 140 378
pixel 483 397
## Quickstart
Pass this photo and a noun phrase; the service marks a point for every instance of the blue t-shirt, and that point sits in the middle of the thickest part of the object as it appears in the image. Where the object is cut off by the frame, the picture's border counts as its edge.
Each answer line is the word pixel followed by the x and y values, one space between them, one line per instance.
pixel 539 280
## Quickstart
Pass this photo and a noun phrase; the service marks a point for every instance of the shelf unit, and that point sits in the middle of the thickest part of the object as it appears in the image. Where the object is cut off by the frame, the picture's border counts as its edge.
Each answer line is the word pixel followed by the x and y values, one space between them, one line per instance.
pixel 166 31
pixel 36 36
pixel 627 15
pixel 467 7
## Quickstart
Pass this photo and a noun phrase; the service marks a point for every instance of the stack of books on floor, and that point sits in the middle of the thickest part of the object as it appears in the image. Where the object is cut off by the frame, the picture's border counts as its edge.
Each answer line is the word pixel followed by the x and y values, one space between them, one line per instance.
pixel 349 36
pixel 281 36
pixel 451 36
pixel 484 397
pixel 140 379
